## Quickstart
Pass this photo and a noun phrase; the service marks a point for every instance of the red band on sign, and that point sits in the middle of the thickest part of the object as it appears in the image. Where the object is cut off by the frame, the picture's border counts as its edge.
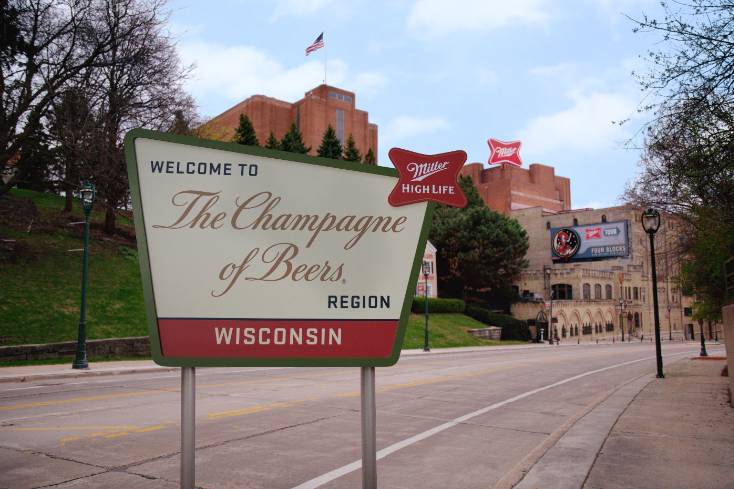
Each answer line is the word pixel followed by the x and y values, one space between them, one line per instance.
pixel 276 338
pixel 501 152
pixel 427 177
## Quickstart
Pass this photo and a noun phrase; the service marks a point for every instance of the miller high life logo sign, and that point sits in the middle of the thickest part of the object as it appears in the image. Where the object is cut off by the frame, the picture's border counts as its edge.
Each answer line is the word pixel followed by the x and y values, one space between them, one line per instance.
pixel 504 152
pixel 248 258
pixel 427 178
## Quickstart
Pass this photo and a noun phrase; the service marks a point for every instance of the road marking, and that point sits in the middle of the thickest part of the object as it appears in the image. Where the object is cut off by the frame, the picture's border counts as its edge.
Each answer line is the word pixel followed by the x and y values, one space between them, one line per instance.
pixel 346 469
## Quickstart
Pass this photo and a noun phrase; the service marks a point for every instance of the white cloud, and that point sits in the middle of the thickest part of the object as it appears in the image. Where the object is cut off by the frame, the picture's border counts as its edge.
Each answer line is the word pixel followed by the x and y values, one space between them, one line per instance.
pixel 407 126
pixel 237 72
pixel 588 125
pixel 560 69
pixel 431 18
pixel 368 82
pixel 298 7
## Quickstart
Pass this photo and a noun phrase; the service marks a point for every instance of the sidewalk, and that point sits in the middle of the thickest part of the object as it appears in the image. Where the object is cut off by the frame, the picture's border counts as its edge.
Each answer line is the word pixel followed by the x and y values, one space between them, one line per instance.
pixel 649 434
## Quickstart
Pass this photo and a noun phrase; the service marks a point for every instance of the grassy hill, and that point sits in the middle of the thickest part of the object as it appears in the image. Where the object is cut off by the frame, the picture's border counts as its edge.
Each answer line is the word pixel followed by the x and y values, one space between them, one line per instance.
pixel 40 273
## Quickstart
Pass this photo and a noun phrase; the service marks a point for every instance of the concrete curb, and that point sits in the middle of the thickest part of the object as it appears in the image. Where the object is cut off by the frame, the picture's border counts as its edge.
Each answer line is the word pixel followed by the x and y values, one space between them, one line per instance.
pixel 124 369
pixel 73 374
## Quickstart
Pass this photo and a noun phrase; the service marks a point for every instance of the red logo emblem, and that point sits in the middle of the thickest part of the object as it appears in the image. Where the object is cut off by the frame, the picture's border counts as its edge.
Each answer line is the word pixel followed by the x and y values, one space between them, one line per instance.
pixel 501 152
pixel 593 233
pixel 427 177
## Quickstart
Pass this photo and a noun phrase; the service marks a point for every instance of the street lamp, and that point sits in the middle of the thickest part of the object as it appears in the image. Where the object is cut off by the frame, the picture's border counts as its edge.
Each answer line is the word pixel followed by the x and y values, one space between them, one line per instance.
pixel 703 342
pixel 426 272
pixel 621 304
pixel 651 223
pixel 550 296
pixel 88 194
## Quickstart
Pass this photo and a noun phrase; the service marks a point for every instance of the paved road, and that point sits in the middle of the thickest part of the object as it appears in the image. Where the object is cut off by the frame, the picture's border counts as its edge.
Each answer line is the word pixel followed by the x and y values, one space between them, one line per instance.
pixel 453 420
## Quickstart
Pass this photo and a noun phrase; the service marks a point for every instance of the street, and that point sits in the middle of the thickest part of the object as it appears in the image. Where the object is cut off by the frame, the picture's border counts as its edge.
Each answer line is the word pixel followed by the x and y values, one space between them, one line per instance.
pixel 444 420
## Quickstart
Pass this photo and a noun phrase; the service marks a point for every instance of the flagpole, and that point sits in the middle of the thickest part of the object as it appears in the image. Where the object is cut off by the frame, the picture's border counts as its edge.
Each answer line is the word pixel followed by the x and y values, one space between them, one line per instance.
pixel 325 57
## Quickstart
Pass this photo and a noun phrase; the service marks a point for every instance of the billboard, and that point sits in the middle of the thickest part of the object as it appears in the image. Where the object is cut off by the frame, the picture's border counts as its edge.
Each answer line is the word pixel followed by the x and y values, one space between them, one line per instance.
pixel 258 257
pixel 590 242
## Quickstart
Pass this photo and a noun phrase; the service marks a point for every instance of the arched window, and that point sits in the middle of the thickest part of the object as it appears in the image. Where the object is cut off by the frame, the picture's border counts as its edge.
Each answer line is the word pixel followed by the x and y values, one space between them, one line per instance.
pixel 608 291
pixel 597 291
pixel 587 291
pixel 603 218
pixel 575 221
pixel 562 291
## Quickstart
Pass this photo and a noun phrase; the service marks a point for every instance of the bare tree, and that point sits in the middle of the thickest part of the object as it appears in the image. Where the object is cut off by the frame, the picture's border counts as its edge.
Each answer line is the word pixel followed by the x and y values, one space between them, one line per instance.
pixel 696 58
pixel 145 91
pixel 46 44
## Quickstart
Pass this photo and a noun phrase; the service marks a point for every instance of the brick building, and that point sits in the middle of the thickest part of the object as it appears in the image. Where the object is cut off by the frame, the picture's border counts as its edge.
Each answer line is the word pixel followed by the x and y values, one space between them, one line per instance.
pixel 312 114
pixel 429 256
pixel 584 298
pixel 506 188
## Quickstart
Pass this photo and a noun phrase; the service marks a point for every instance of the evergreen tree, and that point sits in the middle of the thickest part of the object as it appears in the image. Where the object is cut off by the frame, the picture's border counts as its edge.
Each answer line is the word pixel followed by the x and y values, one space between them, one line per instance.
pixel 293 141
pixel 351 153
pixel 478 249
pixel 272 142
pixel 245 133
pixel 369 158
pixel 330 145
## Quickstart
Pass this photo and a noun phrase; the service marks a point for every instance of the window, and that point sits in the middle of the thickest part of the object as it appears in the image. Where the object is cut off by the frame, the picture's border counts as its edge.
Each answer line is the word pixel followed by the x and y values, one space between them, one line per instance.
pixel 608 290
pixel 597 291
pixel 587 291
pixel 687 312
pixel 342 97
pixel 547 225
pixel 340 125
pixel 636 294
pixel 562 291
pixel 575 222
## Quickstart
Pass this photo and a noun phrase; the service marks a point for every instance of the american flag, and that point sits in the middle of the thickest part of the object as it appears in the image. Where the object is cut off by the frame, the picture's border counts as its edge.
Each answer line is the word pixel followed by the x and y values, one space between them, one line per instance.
pixel 317 44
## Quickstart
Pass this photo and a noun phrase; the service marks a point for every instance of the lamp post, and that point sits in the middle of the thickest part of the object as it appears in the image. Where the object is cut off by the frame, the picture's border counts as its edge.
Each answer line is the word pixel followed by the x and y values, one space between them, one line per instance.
pixel 550 297
pixel 703 342
pixel 426 272
pixel 651 223
pixel 88 194
pixel 670 327
pixel 620 277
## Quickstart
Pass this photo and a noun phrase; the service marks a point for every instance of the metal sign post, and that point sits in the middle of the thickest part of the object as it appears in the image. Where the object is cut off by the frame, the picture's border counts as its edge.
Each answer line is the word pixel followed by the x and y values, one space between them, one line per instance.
pixel 369 429
pixel 188 427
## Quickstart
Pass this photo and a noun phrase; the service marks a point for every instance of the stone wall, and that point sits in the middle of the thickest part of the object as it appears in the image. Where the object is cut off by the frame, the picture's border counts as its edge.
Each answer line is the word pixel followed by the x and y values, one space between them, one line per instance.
pixel 728 313
pixel 138 346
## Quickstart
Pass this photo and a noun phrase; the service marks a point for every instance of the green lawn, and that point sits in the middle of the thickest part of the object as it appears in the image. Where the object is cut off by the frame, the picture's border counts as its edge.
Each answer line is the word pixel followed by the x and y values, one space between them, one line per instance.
pixel 41 282
pixel 446 330
pixel 41 286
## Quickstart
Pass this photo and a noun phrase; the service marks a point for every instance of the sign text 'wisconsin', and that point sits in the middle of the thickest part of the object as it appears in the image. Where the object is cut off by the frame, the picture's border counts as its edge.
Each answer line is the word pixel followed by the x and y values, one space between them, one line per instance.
pixel 257 257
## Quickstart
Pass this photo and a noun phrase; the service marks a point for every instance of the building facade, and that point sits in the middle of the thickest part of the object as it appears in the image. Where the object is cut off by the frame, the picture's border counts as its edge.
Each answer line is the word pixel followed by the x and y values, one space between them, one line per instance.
pixel 506 188
pixel 596 299
pixel 429 256
pixel 323 106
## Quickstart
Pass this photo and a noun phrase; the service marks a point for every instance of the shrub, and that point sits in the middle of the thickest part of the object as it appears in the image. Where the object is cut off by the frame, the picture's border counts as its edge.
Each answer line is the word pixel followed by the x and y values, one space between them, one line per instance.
pixel 438 305
pixel 512 329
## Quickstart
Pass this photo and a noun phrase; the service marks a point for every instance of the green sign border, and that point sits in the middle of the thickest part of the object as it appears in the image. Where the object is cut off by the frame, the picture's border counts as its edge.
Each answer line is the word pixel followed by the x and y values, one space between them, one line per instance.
pixel 147 279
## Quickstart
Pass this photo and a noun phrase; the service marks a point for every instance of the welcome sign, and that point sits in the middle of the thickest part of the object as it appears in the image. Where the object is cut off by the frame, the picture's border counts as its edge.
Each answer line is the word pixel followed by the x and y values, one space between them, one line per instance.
pixel 258 257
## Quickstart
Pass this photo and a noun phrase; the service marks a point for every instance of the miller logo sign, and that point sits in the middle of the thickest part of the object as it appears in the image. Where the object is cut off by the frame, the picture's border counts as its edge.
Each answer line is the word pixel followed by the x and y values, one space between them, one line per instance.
pixel 427 178
pixel 502 152
pixel 258 257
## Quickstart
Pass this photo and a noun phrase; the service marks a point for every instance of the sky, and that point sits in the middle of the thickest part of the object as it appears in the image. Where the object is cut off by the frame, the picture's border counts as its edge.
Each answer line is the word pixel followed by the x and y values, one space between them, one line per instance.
pixel 439 75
